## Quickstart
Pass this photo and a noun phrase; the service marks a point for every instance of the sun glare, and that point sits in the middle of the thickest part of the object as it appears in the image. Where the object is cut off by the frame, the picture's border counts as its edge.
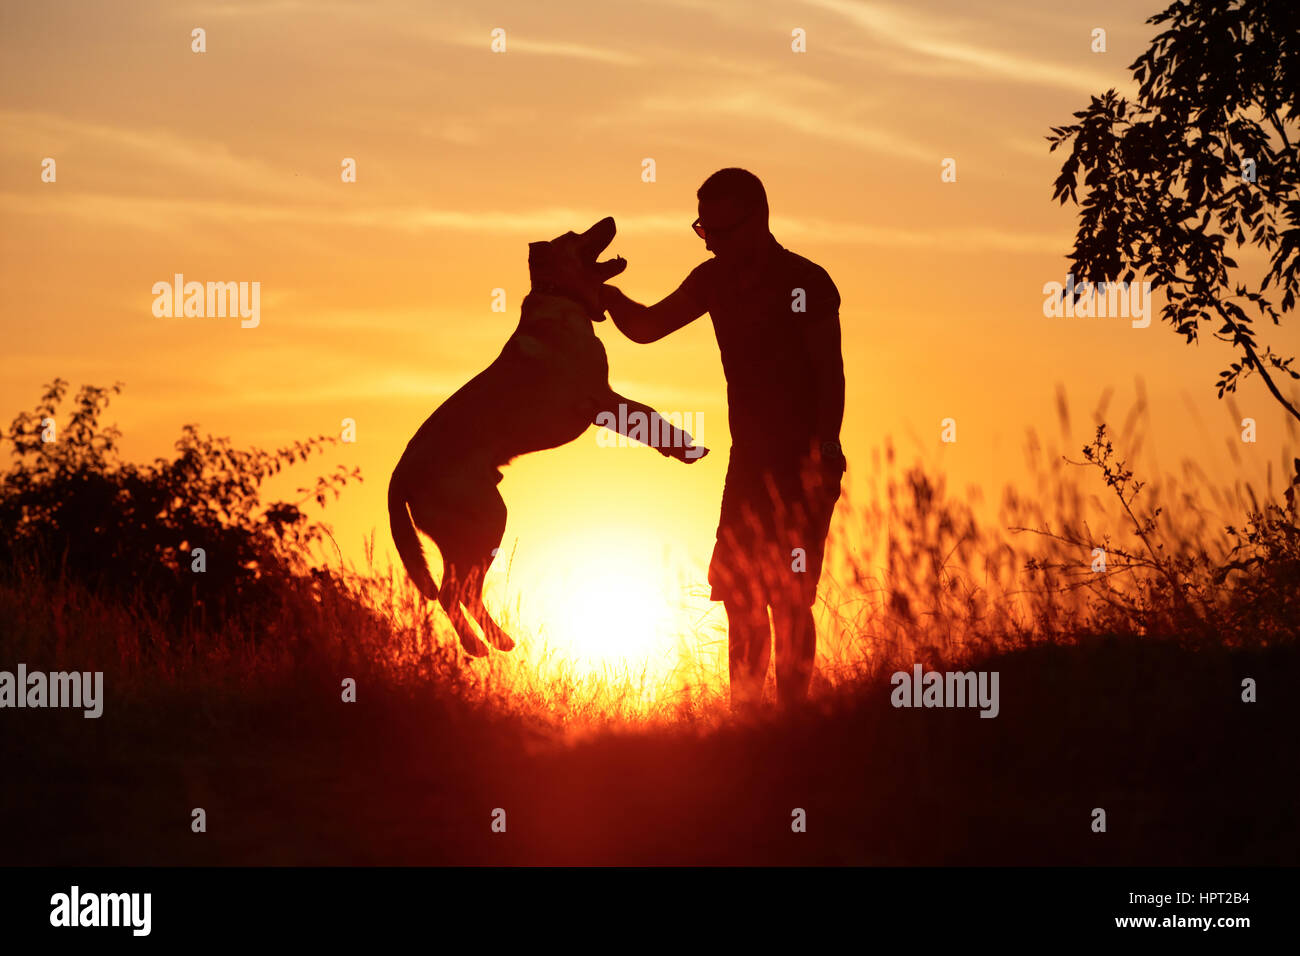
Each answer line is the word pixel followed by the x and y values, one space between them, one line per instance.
pixel 607 613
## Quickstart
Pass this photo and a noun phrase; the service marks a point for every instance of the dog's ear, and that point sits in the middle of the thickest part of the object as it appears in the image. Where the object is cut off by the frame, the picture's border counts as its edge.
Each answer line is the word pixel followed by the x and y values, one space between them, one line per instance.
pixel 536 251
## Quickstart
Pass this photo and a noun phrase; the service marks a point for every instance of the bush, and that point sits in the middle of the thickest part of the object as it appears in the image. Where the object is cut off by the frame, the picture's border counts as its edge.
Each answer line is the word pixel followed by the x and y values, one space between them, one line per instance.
pixel 70 507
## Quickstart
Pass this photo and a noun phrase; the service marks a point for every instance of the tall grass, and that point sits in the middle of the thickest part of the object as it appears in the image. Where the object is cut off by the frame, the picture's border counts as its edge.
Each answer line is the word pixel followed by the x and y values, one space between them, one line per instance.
pixel 913 576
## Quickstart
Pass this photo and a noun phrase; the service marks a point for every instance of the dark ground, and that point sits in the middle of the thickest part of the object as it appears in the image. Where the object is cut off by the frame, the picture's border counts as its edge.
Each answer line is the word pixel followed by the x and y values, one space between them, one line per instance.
pixel 1188 775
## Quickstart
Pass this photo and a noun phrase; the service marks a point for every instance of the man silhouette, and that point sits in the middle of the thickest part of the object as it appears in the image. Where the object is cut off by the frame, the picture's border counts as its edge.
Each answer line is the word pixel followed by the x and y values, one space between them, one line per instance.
pixel 776 318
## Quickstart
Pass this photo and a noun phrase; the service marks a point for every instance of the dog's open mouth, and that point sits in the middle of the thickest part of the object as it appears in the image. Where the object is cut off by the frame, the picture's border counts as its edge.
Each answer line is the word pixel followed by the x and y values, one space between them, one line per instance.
pixel 594 242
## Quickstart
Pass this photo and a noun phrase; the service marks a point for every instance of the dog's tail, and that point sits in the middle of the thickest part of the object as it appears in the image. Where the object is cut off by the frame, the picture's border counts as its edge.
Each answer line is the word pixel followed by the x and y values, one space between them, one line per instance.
pixel 408 542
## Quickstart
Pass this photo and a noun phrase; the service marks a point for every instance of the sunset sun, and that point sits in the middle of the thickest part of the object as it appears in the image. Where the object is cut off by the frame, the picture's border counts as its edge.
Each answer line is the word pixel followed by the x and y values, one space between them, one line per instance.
pixel 599 612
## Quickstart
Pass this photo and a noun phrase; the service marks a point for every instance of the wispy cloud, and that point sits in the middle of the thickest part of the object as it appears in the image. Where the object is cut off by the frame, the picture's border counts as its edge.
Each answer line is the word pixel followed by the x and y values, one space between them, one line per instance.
pixel 520 42
pixel 933 36
pixel 165 214
pixel 149 150
pixel 802 117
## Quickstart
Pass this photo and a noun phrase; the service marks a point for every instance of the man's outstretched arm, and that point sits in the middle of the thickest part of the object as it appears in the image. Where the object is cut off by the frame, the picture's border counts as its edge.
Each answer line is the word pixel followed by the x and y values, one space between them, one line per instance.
pixel 649 323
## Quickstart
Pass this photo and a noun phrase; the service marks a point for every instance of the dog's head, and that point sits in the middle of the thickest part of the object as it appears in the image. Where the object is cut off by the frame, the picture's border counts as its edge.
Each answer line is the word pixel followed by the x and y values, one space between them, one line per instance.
pixel 568 266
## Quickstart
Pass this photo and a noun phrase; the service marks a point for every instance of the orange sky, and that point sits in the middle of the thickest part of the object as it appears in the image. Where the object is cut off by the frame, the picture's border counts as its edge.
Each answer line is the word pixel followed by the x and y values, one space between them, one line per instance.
pixel 376 295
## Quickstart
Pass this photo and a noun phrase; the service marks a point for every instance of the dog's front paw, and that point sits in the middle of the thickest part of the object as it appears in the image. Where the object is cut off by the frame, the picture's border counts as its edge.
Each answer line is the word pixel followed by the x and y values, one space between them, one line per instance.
pixel 693 454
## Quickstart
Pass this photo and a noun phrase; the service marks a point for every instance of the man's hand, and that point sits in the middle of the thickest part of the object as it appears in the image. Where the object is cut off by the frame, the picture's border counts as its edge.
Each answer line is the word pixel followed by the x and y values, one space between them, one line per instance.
pixel 608 294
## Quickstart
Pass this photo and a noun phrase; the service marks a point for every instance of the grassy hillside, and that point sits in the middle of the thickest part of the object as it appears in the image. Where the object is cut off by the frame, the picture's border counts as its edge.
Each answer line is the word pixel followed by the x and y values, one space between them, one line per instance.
pixel 1120 689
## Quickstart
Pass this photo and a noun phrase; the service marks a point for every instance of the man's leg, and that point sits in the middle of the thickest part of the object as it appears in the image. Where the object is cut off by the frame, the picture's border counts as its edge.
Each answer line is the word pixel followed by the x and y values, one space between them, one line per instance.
pixel 796 650
pixel 806 518
pixel 733 573
pixel 749 642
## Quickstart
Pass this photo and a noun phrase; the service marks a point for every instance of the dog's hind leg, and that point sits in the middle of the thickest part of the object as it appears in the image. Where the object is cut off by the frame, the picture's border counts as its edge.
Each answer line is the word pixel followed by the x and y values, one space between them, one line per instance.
pixel 489 528
pixel 467 553
pixel 469 590
pixel 474 604
pixel 466 519
pixel 455 587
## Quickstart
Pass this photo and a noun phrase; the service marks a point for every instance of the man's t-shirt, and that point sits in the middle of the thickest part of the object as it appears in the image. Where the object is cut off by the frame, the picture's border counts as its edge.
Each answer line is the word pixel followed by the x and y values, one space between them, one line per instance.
pixel 771 391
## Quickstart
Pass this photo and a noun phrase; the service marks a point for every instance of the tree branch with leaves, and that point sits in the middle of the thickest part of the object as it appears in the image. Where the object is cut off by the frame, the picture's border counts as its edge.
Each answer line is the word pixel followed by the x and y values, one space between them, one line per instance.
pixel 1208 153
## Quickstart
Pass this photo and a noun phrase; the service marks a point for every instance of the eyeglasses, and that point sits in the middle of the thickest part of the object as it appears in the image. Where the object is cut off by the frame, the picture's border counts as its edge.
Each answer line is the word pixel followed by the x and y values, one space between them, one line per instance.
pixel 717 230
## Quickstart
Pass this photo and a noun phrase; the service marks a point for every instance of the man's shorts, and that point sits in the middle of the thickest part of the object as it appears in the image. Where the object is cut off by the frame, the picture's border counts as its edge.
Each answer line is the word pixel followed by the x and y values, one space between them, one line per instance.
pixel 772 533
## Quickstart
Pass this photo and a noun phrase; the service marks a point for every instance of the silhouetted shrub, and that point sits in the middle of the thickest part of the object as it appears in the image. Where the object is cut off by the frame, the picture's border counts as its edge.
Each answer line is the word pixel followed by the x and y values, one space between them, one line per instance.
pixel 69 506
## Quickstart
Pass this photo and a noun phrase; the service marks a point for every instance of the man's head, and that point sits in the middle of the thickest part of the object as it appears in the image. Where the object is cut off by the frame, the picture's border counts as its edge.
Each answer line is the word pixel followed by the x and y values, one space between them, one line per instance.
pixel 567 265
pixel 733 214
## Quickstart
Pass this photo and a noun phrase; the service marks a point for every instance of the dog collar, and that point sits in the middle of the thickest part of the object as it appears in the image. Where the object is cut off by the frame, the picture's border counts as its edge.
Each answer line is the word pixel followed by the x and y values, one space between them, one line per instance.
pixel 549 288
